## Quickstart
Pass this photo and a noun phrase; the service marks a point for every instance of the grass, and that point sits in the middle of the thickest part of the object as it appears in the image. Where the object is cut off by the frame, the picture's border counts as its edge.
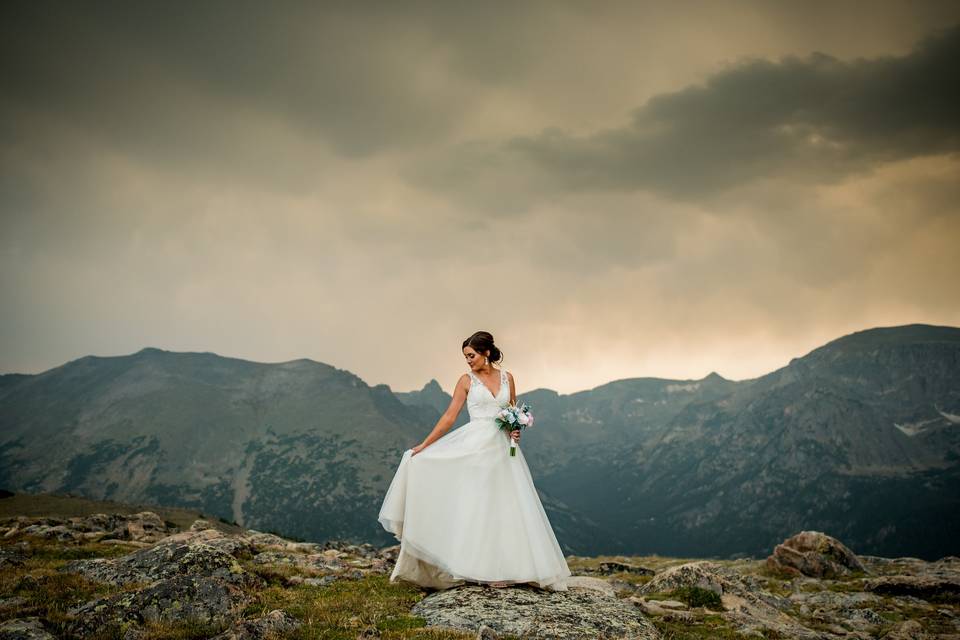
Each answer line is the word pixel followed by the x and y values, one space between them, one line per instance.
pixel 710 626
pixel 343 609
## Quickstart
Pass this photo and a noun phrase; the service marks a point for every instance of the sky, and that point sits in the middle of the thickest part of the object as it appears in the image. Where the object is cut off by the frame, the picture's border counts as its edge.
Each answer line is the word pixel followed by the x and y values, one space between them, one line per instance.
pixel 612 189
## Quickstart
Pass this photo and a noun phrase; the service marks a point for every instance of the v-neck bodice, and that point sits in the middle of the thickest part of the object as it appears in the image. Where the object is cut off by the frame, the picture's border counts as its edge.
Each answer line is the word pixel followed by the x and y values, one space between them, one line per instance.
pixel 481 402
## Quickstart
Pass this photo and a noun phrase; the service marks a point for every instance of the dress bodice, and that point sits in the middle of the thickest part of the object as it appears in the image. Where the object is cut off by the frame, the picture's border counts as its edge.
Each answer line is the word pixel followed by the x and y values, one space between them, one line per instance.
pixel 481 402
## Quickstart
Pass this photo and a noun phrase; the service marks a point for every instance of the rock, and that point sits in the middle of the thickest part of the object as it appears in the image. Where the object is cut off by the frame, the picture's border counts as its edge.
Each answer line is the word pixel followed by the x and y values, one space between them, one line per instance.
pixel 125 543
pixel 315 562
pixel 272 624
pixel 175 555
pixel 11 556
pixel 672 604
pixel 486 633
pixel 145 526
pixel 193 574
pixel 534 613
pixel 201 524
pixel 813 553
pixel 585 582
pixel 55 532
pixel 24 629
pixel 654 608
pixel 390 553
pixel 906 630
pixel 924 587
pixel 11 603
pixel 314 582
pixel 607 568
pixel 746 605
pixel 180 598
pixel 370 631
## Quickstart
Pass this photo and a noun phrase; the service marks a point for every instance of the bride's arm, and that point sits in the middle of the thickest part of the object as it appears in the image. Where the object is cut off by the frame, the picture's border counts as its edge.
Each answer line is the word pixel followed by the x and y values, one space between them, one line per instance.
pixel 450 415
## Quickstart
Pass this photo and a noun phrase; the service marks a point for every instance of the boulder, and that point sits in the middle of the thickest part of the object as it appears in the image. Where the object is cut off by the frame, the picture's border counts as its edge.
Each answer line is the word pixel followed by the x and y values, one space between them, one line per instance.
pixel 175 555
pixel 145 526
pixel 606 568
pixel 271 625
pixel 182 597
pixel 906 630
pixel 24 629
pixel 189 575
pixel 815 554
pixel 746 605
pixel 925 587
pixel 534 613
pixel 201 524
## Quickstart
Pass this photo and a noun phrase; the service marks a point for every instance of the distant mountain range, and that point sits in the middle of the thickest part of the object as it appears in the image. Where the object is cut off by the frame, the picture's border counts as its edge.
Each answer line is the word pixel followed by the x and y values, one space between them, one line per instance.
pixel 859 438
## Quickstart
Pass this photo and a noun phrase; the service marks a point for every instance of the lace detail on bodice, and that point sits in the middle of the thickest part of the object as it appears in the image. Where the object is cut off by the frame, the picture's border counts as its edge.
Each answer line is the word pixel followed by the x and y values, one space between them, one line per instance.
pixel 481 403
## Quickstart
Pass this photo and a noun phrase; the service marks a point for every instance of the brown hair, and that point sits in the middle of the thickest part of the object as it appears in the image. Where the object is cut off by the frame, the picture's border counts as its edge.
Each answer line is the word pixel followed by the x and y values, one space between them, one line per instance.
pixel 482 341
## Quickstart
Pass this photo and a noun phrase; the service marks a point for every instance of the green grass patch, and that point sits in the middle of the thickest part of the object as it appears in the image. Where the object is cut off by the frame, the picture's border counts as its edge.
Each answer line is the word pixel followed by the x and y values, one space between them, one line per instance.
pixel 344 608
pixel 697 597
pixel 711 626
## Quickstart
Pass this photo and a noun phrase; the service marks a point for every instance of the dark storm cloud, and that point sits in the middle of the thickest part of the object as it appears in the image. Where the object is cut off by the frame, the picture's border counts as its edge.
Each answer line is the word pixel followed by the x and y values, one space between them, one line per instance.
pixel 279 180
pixel 169 79
pixel 809 119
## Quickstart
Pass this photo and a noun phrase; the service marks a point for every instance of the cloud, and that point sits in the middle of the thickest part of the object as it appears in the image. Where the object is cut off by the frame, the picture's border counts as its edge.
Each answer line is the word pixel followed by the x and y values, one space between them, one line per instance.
pixel 811 120
pixel 368 183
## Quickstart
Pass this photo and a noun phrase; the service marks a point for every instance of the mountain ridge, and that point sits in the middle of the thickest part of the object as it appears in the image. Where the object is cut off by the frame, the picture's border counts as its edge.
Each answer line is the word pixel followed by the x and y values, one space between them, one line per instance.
pixel 635 464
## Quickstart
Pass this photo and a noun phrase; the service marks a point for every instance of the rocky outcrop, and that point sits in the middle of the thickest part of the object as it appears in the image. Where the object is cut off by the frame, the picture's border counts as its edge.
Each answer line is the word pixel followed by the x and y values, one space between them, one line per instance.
pixel 746 605
pixel 180 598
pixel 143 527
pixel 530 612
pixel 24 629
pixel 198 553
pixel 206 575
pixel 191 575
pixel 925 587
pixel 197 575
pixel 813 553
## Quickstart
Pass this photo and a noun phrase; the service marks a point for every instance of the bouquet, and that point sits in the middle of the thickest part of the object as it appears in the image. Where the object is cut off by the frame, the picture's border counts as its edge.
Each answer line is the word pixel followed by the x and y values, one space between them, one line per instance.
pixel 514 417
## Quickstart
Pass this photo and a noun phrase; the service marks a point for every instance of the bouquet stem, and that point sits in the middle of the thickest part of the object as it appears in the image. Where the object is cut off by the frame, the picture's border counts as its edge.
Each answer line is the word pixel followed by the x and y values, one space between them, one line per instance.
pixel 513 448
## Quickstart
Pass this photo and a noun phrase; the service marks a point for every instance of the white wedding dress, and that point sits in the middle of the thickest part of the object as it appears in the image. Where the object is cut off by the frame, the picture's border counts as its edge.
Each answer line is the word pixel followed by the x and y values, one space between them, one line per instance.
pixel 465 510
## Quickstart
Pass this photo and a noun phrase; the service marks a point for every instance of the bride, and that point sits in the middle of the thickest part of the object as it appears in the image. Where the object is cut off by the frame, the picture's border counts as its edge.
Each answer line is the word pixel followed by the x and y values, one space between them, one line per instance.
pixel 464 509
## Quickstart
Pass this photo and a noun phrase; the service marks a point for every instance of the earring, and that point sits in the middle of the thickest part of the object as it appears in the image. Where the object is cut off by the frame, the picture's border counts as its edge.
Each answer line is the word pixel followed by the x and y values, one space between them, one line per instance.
pixel 486 360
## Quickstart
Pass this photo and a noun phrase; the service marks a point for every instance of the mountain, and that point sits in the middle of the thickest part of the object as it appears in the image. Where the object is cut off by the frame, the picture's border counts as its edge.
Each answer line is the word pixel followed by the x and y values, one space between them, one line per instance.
pixel 300 447
pixel 858 438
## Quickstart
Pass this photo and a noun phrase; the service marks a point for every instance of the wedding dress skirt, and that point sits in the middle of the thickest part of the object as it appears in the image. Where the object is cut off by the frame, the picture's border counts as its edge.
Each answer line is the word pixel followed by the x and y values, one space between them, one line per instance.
pixel 465 510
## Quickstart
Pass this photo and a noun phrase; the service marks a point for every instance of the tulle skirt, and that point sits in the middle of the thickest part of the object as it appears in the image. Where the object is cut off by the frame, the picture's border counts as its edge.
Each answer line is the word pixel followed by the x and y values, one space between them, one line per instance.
pixel 465 510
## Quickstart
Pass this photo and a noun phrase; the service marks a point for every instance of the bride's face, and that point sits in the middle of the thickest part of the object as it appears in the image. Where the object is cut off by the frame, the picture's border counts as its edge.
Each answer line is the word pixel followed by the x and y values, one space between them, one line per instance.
pixel 474 359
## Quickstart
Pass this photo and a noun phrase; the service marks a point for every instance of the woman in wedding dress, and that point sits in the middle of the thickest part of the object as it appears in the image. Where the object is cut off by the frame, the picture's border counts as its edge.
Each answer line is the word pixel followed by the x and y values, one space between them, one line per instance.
pixel 464 509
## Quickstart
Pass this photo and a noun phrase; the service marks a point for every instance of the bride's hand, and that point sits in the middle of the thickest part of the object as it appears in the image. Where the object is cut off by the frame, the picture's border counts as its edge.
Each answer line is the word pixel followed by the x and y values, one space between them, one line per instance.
pixel 515 434
pixel 417 449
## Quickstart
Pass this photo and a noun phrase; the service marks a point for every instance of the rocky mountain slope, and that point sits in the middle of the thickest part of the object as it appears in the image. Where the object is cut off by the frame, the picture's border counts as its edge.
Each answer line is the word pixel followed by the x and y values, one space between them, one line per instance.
pixel 859 438
pixel 135 576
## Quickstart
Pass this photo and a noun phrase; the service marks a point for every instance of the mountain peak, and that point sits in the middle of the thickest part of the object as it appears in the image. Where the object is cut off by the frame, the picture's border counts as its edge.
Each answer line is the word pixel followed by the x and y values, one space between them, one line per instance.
pixel 149 350
pixel 882 337
pixel 433 385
